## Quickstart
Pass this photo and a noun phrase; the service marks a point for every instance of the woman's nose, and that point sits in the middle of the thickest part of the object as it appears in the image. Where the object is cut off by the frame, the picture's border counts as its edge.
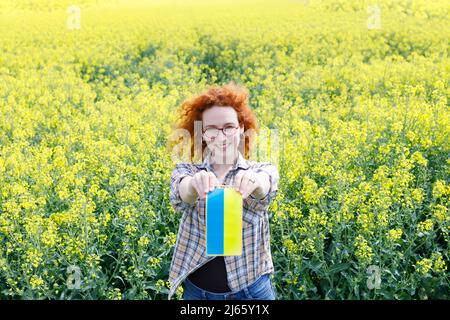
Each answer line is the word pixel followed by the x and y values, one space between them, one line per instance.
pixel 221 136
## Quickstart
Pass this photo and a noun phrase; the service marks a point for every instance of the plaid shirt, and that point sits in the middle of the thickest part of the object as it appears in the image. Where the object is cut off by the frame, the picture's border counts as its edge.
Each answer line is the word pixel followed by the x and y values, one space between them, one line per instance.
pixel 190 247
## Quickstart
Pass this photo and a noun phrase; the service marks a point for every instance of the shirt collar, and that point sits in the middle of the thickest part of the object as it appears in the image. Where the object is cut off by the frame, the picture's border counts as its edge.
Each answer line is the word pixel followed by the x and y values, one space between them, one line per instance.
pixel 241 162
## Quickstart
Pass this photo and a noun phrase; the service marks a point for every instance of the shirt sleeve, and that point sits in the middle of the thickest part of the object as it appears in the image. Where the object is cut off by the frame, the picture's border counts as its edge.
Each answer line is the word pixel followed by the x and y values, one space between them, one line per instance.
pixel 180 171
pixel 274 177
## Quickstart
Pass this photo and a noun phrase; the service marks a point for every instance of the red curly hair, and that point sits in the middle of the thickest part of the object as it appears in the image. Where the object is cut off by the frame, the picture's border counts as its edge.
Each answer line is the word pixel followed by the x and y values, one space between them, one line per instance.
pixel 231 95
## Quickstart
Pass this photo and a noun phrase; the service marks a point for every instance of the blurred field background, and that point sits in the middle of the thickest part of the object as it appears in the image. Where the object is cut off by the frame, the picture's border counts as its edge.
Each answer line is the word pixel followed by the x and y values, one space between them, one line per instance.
pixel 358 91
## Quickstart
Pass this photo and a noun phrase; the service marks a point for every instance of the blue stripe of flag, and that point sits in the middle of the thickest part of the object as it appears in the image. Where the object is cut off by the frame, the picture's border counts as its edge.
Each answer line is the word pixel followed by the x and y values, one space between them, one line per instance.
pixel 215 222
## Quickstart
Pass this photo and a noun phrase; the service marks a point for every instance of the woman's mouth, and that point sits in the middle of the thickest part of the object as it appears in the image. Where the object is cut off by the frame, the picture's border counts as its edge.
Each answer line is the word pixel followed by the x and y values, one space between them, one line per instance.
pixel 223 146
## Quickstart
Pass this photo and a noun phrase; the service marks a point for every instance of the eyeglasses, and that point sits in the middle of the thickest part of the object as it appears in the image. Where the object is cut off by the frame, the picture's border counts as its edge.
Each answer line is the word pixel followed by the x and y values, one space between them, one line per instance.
pixel 211 133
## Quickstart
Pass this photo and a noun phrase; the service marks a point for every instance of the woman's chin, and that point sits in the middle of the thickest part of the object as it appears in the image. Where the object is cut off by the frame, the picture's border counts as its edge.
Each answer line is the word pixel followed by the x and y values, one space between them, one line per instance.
pixel 226 150
pixel 227 153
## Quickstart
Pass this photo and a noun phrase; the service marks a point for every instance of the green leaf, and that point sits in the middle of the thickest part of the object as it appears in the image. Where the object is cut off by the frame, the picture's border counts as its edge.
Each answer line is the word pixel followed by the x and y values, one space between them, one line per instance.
pixel 338 267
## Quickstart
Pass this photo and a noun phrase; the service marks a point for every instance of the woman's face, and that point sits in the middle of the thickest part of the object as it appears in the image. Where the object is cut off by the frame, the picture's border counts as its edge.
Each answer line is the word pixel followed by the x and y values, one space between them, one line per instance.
pixel 224 148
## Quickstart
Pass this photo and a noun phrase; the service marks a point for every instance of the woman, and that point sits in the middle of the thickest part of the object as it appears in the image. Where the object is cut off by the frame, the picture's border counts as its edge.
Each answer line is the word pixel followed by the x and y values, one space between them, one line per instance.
pixel 224 114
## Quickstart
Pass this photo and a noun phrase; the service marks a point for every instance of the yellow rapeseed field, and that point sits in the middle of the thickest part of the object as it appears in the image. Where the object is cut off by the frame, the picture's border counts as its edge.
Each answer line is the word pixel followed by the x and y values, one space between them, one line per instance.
pixel 357 92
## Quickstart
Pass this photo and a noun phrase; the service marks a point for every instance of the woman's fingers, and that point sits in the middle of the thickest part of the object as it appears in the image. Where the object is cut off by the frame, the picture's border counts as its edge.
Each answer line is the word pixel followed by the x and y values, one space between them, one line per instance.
pixel 199 184
pixel 195 184
pixel 205 182
pixel 213 182
pixel 238 180
pixel 245 183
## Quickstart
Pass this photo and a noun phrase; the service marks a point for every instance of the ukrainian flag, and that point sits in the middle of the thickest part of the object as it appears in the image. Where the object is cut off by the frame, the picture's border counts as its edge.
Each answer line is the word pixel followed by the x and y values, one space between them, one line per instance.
pixel 224 222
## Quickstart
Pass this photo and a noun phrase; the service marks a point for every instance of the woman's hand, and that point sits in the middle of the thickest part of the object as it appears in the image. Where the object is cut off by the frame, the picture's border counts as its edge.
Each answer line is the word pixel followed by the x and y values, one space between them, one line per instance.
pixel 202 182
pixel 249 182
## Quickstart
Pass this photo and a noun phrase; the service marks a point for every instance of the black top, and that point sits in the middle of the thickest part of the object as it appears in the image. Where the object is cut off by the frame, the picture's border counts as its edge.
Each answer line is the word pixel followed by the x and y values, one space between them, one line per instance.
pixel 212 276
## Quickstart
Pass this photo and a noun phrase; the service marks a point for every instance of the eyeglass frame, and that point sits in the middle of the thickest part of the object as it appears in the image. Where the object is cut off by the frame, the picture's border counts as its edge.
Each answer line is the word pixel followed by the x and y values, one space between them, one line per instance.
pixel 219 129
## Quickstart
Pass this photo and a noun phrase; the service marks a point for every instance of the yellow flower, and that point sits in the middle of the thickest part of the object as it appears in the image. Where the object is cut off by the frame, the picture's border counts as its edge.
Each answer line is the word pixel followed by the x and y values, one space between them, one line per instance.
pixel 439 263
pixel 102 195
pixel 130 229
pixel 441 212
pixel 439 189
pixel 93 190
pixel 63 193
pixel 395 234
pixel 293 280
pixel 424 227
pixel 106 219
pixel 310 191
pixel 179 292
pixel 364 252
pixel 3 264
pixel 307 245
pixel 34 257
pixel 154 262
pixel 171 239
pixel 49 237
pixel 34 226
pixel 419 158
pixel 424 266
pixel 143 241
pixel 159 285
pixel 115 294
pixel 290 246
pixel 418 195
pixel 412 137
pixel 36 282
